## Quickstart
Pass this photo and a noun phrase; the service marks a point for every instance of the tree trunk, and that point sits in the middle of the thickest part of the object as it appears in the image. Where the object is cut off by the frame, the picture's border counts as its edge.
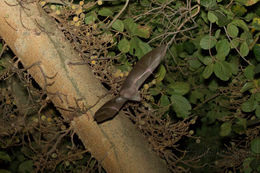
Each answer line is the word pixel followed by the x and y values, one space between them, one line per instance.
pixel 36 40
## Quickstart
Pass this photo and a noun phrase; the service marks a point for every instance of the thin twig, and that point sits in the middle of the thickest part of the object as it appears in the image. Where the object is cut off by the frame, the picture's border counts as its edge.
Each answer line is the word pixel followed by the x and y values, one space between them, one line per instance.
pixel 126 3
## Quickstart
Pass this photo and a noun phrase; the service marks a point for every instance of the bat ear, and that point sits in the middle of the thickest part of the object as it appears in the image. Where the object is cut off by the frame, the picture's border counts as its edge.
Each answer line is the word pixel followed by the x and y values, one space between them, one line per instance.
pixel 135 97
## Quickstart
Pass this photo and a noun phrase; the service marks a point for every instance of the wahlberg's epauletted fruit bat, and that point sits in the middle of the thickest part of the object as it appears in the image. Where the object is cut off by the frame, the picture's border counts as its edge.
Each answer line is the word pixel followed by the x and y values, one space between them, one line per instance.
pixel 129 90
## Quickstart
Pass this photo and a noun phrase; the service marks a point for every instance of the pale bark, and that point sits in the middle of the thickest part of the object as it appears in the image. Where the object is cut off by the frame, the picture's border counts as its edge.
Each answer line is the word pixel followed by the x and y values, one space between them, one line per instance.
pixel 36 39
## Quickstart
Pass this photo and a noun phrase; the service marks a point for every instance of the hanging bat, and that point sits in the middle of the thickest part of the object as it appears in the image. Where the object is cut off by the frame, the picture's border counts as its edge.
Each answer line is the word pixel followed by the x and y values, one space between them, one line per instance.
pixel 129 90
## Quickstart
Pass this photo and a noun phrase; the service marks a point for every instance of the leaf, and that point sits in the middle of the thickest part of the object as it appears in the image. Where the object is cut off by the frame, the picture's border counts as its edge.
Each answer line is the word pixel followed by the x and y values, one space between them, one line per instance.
pixel 143 31
pixel 240 23
pixel 249 105
pixel 207 60
pixel 239 10
pixel 164 100
pixel 189 47
pixel 247 86
pixel 208 3
pixel 26 166
pixel 249 2
pixel 255 145
pixel 244 49
pixel 234 43
pixel 212 17
pixel 208 71
pixel 194 64
pixel 180 105
pixel 257 96
pixel 181 88
pixel 256 51
pixel 225 129
pixel 4 156
pixel 223 48
pixel 256 23
pixel 105 12
pixel 249 72
pixel 217 33
pixel 124 45
pixel 234 65
pixel 232 30
pixel 208 42
pixel 246 165
pixel 160 74
pixel 118 25
pixel 130 26
pixel 223 20
pixel 222 70
pixel 90 19
pixel 257 111
pixel 154 91
pixel 138 47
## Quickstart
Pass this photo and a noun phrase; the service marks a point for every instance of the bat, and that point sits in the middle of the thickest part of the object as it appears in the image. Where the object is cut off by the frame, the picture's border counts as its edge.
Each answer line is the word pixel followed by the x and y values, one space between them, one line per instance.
pixel 141 71
pixel 129 90
pixel 109 109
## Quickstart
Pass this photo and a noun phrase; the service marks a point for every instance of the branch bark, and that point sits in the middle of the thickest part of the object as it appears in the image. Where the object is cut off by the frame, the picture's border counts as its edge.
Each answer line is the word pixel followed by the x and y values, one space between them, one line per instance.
pixel 35 38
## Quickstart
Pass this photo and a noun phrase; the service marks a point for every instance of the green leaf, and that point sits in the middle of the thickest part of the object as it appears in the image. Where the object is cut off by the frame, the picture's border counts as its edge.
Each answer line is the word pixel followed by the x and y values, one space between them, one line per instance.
pixel 255 145
pixel 232 30
pixel 154 91
pixel 249 72
pixel 189 47
pixel 138 47
pixel 225 129
pixel 246 165
pixel 256 51
pixel 239 10
pixel 247 86
pixel 207 60
pixel 180 105
pixel 194 64
pixel 257 96
pixel 223 20
pixel 124 45
pixel 181 88
pixel 234 65
pixel 217 33
pixel 208 71
pixel 164 100
pixel 208 42
pixel 257 111
pixel 212 17
pixel 256 23
pixel 208 3
pixel 244 49
pixel 223 48
pixel 118 25
pixel 234 43
pixel 130 26
pixel 4 156
pixel 222 70
pixel 160 74
pixel 143 31
pixel 90 19
pixel 249 105
pixel 26 166
pixel 105 12
pixel 240 23
pixel 5 171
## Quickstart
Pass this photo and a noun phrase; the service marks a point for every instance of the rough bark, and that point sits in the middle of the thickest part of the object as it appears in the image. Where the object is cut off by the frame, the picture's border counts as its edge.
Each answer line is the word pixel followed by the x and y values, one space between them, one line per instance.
pixel 37 41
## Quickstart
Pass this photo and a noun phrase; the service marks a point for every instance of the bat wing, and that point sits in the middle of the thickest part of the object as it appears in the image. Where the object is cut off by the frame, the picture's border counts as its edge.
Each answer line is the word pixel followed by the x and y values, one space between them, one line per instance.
pixel 109 109
pixel 141 71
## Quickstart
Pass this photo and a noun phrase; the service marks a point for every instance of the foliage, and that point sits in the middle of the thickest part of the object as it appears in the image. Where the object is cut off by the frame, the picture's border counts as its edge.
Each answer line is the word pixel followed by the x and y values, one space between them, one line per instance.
pixel 212 66
pixel 211 70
